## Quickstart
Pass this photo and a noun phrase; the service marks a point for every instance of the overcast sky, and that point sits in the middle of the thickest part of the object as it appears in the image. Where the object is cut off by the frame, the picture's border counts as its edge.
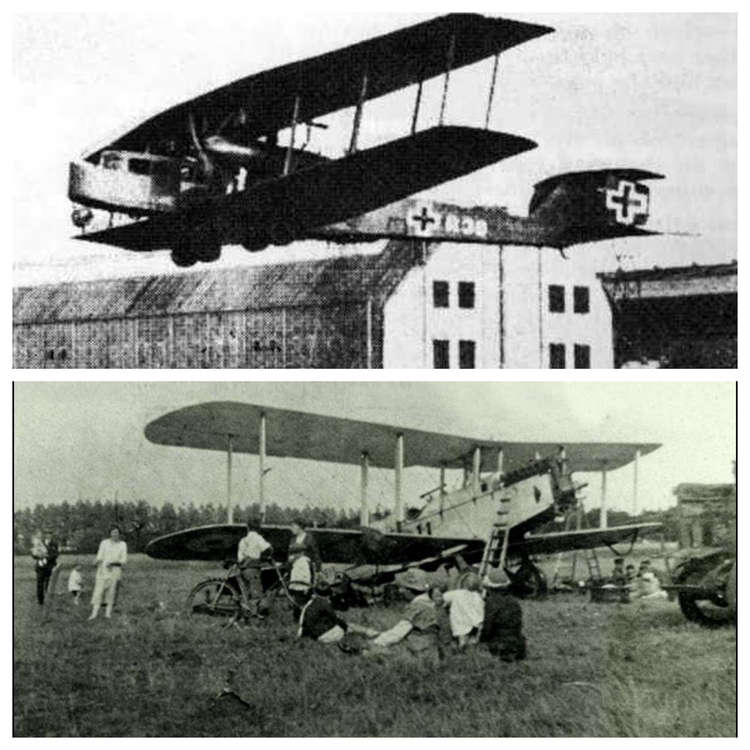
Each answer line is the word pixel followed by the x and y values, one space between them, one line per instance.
pixel 86 439
pixel 656 91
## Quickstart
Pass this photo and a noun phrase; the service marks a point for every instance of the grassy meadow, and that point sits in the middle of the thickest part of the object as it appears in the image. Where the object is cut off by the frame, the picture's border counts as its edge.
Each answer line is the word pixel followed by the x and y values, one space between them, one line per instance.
pixel 592 670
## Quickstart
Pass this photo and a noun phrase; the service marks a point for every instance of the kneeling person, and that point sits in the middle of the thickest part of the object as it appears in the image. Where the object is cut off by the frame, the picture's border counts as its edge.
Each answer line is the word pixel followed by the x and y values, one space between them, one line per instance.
pixel 502 630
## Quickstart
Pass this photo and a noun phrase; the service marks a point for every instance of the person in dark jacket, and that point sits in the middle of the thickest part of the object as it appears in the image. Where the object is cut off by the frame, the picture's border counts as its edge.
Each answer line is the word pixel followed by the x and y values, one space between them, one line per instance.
pixel 318 619
pixel 45 551
pixel 502 629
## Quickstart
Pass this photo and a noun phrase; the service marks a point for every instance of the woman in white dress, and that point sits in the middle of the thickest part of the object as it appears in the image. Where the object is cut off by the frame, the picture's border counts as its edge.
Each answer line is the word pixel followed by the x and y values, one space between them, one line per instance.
pixel 112 555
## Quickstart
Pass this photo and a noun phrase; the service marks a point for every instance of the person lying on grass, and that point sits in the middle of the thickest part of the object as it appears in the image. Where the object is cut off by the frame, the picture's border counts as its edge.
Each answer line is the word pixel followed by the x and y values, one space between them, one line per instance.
pixel 423 625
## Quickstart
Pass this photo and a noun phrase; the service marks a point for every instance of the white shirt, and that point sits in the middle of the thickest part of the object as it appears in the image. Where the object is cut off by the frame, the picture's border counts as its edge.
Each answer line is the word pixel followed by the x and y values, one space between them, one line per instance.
pixel 74 581
pixel 300 578
pixel 251 547
pixel 112 552
pixel 466 610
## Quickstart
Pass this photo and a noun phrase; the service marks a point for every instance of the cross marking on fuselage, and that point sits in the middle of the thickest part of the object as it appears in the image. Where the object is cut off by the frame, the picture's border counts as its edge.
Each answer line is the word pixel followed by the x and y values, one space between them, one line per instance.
pixel 424 218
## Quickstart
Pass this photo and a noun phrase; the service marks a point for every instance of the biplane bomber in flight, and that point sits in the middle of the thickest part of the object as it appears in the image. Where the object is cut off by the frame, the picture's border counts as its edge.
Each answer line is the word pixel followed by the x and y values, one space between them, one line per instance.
pixel 509 490
pixel 211 172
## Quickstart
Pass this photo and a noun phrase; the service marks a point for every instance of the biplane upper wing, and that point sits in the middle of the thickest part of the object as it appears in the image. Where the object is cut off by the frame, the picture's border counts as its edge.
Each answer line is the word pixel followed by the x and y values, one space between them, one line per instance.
pixel 331 191
pixel 348 546
pixel 334 81
pixel 319 437
pixel 564 541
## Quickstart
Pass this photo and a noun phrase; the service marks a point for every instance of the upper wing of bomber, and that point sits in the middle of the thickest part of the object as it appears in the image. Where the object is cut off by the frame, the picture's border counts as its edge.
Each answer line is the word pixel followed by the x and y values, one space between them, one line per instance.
pixel 339 79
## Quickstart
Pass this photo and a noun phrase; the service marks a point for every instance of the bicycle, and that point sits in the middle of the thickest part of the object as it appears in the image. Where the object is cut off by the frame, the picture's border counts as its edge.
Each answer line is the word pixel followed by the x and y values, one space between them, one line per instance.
pixel 228 596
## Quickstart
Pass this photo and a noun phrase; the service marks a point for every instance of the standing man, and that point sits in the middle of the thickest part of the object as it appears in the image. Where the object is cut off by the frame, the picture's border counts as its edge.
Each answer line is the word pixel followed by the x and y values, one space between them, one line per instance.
pixel 112 555
pixel 252 551
pixel 303 543
pixel 44 550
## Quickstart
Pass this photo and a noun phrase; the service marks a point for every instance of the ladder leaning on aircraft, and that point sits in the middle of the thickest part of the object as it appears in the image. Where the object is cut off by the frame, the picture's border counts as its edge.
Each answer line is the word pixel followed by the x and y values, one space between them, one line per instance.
pixel 210 172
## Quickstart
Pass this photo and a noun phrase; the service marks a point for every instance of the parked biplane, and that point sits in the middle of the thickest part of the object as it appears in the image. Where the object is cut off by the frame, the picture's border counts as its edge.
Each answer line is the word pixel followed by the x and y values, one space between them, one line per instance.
pixel 516 486
pixel 210 171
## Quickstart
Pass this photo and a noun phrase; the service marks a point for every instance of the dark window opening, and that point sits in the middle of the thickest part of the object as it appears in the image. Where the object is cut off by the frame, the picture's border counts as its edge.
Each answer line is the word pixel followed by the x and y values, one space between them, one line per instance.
pixel 440 294
pixel 582 356
pixel 63 354
pixel 441 354
pixel 466 355
pixel 466 294
pixel 556 298
pixel 140 166
pixel 580 299
pixel 50 354
pixel 557 356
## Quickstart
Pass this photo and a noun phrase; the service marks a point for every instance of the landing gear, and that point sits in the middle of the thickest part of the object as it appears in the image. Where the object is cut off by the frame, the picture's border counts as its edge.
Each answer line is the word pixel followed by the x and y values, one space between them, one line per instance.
pixel 198 243
pixel 527 581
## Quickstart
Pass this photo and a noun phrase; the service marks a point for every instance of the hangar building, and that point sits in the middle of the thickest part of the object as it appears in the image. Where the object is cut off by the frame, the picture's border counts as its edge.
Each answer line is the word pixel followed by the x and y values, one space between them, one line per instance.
pixel 408 306
pixel 682 317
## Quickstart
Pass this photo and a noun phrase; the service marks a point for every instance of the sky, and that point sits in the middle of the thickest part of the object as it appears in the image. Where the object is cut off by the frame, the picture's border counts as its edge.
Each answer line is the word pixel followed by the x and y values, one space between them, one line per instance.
pixel 86 440
pixel 656 91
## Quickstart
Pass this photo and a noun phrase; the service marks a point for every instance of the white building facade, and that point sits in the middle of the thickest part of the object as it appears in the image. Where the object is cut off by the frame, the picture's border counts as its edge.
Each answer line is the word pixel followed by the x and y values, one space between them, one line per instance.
pixel 479 306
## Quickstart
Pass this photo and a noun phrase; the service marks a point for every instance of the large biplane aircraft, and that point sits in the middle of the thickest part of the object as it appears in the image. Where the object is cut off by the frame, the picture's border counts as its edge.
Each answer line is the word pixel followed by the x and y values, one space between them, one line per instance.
pixel 525 484
pixel 211 172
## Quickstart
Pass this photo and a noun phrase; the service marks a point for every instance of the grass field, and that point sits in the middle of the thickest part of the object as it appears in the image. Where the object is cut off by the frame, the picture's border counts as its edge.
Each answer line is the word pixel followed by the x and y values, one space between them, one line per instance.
pixel 592 670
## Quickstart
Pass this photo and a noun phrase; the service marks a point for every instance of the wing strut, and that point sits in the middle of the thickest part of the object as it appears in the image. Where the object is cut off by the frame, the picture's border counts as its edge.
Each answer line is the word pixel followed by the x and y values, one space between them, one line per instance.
pixel 492 92
pixel 448 66
pixel 358 114
pixel 293 126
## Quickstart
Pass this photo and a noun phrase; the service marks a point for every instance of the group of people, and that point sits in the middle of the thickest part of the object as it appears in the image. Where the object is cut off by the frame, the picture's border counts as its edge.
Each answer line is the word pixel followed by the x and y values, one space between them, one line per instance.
pixel 642 583
pixel 111 557
pixel 437 618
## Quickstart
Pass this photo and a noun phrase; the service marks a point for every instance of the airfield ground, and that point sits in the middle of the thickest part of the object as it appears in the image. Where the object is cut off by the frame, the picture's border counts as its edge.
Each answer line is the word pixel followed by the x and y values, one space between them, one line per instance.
pixel 593 670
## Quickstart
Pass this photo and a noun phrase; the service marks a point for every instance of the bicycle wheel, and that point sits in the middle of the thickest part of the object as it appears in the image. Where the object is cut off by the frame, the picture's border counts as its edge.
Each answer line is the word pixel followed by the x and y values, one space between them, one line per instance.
pixel 214 597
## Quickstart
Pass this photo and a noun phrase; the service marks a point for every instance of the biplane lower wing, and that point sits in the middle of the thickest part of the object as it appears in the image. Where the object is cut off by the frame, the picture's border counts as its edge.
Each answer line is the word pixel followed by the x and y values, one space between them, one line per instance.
pixel 565 541
pixel 371 547
pixel 348 546
pixel 279 210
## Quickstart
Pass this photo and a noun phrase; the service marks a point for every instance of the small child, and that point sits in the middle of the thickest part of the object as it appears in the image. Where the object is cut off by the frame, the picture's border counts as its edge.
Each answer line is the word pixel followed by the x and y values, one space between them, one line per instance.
pixel 75 584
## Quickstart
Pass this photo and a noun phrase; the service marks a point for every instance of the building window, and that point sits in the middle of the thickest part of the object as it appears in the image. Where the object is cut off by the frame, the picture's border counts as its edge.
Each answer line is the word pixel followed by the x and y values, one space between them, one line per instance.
pixel 582 356
pixel 466 294
pixel 466 355
pixel 557 356
pixel 580 299
pixel 556 298
pixel 441 354
pixel 440 294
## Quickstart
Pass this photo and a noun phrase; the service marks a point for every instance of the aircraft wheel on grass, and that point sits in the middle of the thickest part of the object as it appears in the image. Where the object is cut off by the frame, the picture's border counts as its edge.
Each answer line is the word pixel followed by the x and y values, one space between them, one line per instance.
pixel 528 581
pixel 214 597
pixel 710 612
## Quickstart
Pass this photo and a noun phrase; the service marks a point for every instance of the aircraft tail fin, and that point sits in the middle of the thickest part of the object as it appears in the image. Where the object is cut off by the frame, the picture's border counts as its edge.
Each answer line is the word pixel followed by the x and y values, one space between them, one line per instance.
pixel 593 205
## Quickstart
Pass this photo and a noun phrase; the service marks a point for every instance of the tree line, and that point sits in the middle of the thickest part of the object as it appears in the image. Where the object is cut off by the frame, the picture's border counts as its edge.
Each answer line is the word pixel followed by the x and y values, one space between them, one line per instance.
pixel 80 526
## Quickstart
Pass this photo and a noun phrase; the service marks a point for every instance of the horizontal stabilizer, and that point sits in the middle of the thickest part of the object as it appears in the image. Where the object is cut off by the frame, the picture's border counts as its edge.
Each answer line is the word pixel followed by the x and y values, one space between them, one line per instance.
pixel 593 205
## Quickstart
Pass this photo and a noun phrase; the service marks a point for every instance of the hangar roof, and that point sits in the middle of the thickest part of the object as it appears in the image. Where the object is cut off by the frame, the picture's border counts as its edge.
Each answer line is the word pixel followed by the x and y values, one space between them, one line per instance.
pixel 299 284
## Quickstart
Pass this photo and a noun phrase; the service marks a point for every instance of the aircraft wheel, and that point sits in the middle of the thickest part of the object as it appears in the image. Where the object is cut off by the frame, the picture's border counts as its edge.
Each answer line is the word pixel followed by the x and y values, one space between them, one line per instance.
pixel 732 592
pixel 208 252
pixel 282 233
pixel 214 597
pixel 183 255
pixel 710 614
pixel 528 582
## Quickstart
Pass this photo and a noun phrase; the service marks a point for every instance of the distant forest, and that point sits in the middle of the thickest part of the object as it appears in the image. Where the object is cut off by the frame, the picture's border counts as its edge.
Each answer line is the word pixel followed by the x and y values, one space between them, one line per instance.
pixel 80 526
